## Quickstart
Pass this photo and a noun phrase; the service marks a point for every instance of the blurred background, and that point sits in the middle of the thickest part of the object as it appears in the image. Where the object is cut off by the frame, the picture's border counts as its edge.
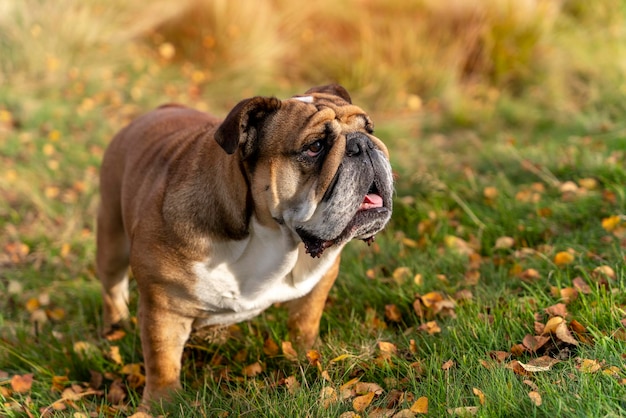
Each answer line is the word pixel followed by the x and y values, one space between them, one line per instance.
pixel 524 61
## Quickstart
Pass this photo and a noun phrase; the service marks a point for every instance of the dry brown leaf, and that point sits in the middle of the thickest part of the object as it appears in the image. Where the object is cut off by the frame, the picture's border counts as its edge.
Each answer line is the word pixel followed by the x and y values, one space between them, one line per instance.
pixel 581 285
pixel 518 349
pixel 252 370
pixel 563 334
pixel 518 369
pixel 534 343
pixel 464 294
pixel 362 388
pixel 500 356
pixel 270 348
pixel 448 365
pixel 288 351
pixel 535 397
pixel 480 394
pixel 458 245
pixel 115 335
pixel 569 294
pixel 420 406
pixel 532 385
pixel 349 414
pixel 116 393
pixel 557 310
pixel 530 275
pixel 22 383
pixel 577 327
pixel 543 361
pixel 472 277
pixel 349 384
pixel 292 384
pixel 533 369
pixel 430 327
pixel 392 313
pixel 360 403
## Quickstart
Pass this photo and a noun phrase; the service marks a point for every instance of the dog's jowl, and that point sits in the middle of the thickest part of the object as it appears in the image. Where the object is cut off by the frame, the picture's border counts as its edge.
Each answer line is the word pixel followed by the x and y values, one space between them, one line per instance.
pixel 219 219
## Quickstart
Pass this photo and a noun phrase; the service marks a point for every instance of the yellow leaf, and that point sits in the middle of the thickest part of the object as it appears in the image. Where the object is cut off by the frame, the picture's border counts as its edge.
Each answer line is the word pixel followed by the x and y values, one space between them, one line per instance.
pixel 588 183
pixel 480 394
pixel 362 388
pixel 563 258
pixel 590 366
pixel 431 327
pixel 32 305
pixel 132 368
pixel 328 396
pixel 611 223
pixel 114 355
pixel 431 298
pixel 270 348
pixel 420 406
pixel 360 403
pixel 341 357
pixel 552 324
pixel 400 274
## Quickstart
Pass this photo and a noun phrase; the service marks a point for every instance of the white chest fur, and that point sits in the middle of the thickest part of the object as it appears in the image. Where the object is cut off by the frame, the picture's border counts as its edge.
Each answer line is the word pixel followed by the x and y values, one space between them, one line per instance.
pixel 243 278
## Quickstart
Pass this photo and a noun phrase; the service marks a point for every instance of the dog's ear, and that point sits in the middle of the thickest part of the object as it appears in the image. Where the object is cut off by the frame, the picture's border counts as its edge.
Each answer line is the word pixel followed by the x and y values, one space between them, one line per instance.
pixel 244 122
pixel 334 89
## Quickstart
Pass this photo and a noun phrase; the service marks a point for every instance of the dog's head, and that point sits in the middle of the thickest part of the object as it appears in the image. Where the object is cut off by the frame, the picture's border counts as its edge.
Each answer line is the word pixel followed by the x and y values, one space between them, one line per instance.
pixel 313 164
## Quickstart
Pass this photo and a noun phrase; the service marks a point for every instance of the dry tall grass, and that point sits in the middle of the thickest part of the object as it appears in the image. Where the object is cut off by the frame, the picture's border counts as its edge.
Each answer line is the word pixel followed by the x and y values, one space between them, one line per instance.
pixel 458 51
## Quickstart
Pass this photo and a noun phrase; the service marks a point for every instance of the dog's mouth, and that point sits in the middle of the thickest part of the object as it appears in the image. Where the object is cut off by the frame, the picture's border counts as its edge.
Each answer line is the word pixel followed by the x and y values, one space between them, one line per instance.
pixel 372 208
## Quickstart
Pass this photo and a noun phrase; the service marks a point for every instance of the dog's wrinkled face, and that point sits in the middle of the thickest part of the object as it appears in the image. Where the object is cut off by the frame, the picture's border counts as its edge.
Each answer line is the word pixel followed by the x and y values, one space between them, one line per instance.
pixel 316 168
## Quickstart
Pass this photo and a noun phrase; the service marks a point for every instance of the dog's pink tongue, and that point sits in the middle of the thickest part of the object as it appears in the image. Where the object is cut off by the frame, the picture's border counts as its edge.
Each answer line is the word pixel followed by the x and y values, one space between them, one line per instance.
pixel 371 201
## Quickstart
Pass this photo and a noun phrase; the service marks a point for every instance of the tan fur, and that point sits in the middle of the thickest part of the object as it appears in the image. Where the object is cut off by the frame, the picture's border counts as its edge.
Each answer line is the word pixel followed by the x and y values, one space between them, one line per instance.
pixel 182 190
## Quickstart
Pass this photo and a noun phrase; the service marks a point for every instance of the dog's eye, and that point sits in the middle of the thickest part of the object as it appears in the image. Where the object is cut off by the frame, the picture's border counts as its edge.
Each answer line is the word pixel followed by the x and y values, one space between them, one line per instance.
pixel 315 148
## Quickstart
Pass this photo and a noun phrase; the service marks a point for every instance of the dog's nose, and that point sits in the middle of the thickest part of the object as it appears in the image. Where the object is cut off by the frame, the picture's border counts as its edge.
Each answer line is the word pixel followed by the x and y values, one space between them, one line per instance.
pixel 356 143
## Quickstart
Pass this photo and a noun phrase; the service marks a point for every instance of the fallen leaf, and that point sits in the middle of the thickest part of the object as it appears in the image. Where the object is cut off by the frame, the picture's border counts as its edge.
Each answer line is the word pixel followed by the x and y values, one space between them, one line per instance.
pixel 420 406
pixel 532 385
pixel 328 396
pixel 448 365
pixel 563 334
pixel 360 403
pixel 504 243
pixel 589 366
pixel 534 343
pixel 288 351
pixel 349 414
pixel 392 313
pixel 499 356
pixel 543 361
pixel 400 274
pixel 569 294
pixel 458 245
pixel 22 383
pixel 387 347
pixel 606 271
pixel 270 348
pixel 480 394
pixel 581 285
pixel 364 387
pixel 533 369
pixel 404 413
pixel 431 298
pixel 463 411
pixel 292 384
pixel 611 223
pixel 314 357
pixel 552 325
pixel 535 397
pixel 116 393
pixel 563 258
pixel 557 310
pixel 430 327
pixel 252 370
pixel 490 192
pixel 115 335
pixel 114 355
pixel 341 357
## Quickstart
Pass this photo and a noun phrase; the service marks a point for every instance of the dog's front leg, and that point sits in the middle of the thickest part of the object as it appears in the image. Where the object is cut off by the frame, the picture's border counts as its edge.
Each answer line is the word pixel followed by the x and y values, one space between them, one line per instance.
pixel 163 336
pixel 305 313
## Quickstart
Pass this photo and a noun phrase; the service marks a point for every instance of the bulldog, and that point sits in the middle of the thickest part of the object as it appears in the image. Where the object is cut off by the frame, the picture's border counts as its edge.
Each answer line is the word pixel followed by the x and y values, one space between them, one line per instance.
pixel 219 219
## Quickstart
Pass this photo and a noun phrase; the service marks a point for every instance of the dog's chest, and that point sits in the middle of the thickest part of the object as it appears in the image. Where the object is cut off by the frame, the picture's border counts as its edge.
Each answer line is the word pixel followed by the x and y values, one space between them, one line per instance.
pixel 243 278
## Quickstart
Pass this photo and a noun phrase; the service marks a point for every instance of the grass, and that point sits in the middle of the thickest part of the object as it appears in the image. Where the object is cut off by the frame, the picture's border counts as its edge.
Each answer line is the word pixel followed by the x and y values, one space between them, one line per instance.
pixel 478 158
